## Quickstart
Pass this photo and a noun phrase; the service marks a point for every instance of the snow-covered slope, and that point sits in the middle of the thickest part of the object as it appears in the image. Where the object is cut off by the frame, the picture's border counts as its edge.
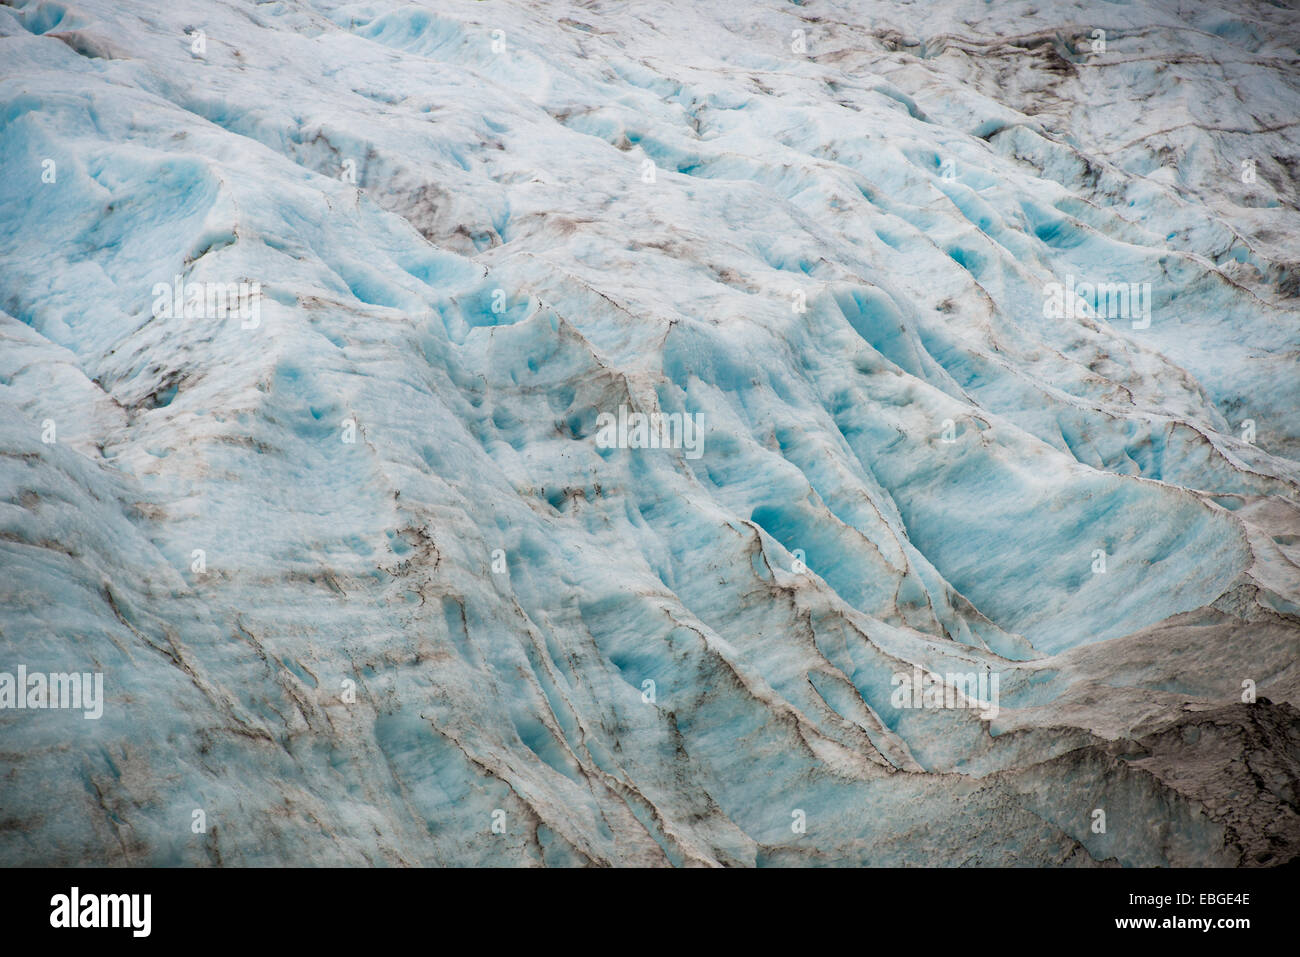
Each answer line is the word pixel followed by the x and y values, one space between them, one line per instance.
pixel 365 583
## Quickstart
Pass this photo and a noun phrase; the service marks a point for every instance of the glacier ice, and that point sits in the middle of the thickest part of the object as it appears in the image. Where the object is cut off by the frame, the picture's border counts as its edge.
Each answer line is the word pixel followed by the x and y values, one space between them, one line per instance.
pixel 365 588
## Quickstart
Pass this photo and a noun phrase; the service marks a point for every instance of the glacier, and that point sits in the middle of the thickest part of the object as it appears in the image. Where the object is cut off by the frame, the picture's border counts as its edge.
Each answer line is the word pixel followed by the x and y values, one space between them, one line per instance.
pixel 365 588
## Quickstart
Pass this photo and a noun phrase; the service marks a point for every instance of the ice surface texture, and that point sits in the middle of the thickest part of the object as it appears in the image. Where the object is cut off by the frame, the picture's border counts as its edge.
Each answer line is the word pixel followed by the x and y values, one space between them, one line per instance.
pixel 826 228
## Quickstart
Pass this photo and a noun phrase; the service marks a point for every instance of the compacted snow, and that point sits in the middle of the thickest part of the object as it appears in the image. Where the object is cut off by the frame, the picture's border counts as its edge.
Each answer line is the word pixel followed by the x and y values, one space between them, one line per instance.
pixel 330 335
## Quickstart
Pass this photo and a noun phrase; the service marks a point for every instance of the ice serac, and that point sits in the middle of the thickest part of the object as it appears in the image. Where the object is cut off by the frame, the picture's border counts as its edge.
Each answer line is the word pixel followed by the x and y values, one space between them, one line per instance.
pixel 365 588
